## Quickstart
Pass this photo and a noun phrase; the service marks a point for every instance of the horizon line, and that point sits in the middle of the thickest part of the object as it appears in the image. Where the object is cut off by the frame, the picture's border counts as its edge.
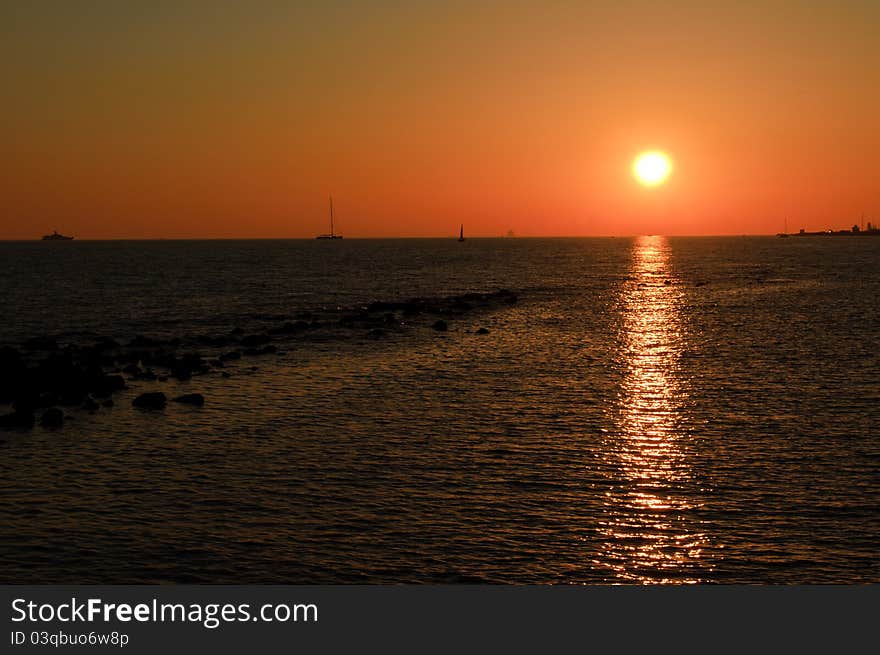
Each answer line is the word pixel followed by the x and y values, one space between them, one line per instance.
pixel 436 238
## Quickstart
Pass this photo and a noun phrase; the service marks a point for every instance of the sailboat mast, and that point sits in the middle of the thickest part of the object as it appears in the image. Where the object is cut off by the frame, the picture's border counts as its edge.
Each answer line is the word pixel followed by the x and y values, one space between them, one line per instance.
pixel 331 216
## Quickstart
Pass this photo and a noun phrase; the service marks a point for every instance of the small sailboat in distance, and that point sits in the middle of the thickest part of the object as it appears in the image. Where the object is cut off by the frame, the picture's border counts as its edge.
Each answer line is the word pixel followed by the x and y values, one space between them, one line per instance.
pixel 784 233
pixel 55 236
pixel 461 233
pixel 332 234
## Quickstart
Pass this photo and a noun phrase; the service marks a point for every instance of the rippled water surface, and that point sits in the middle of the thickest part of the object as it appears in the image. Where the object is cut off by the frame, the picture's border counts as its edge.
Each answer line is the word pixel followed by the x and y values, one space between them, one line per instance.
pixel 651 410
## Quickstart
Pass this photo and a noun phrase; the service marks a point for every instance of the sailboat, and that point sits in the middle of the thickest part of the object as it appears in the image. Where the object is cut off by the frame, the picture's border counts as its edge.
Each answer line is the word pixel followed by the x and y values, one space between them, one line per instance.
pixel 784 233
pixel 461 233
pixel 332 234
pixel 55 236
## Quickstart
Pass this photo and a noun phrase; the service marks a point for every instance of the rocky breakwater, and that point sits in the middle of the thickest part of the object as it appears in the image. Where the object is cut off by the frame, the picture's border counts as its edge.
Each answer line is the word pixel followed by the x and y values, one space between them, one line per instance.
pixel 44 381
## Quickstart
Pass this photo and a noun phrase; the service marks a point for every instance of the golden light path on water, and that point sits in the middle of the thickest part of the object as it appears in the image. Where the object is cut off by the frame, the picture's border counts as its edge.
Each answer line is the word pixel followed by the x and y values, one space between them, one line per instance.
pixel 648 529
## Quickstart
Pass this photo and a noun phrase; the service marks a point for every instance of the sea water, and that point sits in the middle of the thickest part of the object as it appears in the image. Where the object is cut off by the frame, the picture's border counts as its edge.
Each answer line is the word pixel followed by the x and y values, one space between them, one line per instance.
pixel 651 410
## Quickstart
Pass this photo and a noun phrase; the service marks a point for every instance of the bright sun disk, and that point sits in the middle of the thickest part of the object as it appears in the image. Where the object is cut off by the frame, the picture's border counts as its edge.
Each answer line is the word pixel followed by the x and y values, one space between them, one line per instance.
pixel 652 168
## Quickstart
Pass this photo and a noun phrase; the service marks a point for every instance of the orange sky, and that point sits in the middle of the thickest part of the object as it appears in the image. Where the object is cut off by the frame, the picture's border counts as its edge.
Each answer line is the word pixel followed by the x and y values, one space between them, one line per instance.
pixel 198 119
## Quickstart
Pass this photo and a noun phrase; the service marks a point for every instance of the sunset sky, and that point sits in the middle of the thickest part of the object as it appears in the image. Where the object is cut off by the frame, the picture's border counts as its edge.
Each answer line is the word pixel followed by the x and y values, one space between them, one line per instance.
pixel 233 119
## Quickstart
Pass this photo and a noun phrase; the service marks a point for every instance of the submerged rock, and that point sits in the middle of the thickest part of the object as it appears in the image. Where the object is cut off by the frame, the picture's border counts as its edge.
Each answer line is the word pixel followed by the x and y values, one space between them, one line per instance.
pixel 265 350
pixel 17 420
pixel 290 328
pixel 191 399
pixel 151 400
pixel 52 418
pixel 440 326
pixel 41 343
pixel 483 330
pixel 253 340
pixel 104 385
pixel 141 341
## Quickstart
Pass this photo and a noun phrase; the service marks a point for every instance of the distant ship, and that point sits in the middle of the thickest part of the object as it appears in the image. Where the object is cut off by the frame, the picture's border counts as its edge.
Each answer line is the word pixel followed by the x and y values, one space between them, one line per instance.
pixel 461 233
pixel 56 237
pixel 332 234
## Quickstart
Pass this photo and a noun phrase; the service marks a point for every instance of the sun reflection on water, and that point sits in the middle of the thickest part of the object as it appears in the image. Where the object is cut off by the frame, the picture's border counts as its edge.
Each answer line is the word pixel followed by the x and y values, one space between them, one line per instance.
pixel 648 531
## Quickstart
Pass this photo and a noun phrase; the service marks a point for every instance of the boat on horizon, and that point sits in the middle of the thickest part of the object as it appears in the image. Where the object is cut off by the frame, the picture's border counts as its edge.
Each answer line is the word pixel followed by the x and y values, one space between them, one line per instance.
pixel 55 236
pixel 332 234
pixel 461 233
pixel 784 234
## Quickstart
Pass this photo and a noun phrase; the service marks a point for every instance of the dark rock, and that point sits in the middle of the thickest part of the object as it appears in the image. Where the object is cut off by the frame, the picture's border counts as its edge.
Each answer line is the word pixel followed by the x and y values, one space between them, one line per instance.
pixel 151 400
pixel 13 373
pixel 182 368
pixel 226 374
pixel 107 403
pixel 181 373
pixel 132 369
pixel 413 307
pixel 47 399
pixel 511 299
pixel 191 399
pixel 52 418
pixel 90 405
pixel 105 343
pixel 41 343
pixel 376 333
pixel 140 341
pixel 290 328
pixel 483 330
pixel 9 355
pixel 71 397
pixel 131 357
pixel 209 340
pixel 265 350
pixel 390 318
pixel 235 354
pixel 254 340
pixel 104 385
pixel 237 331
pixel 440 326
pixel 26 404
pixel 17 421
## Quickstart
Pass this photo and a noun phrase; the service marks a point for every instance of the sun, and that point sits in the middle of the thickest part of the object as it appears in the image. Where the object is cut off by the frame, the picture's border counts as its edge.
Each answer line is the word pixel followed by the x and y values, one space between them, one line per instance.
pixel 652 168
